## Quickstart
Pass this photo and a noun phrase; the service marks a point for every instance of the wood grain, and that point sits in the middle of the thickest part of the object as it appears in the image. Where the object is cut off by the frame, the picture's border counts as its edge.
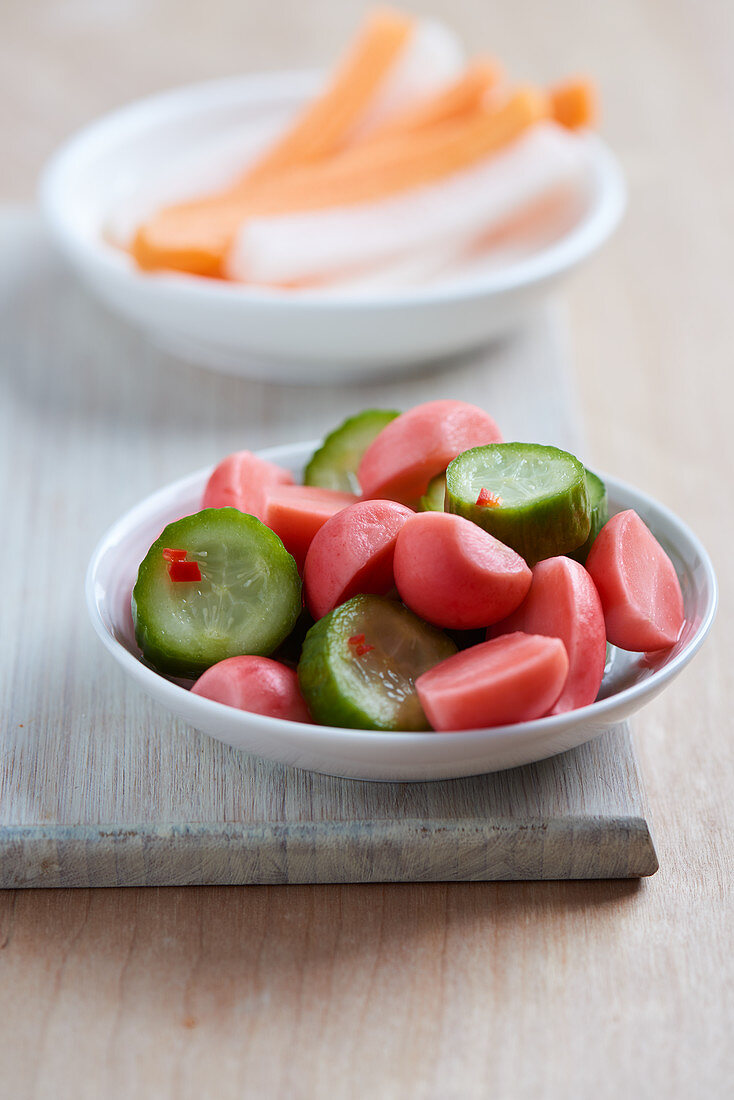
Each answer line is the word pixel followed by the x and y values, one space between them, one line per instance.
pixel 523 990
pixel 101 787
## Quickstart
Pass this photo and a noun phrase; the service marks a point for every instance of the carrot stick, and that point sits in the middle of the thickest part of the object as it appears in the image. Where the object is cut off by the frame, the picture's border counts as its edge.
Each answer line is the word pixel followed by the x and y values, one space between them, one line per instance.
pixel 364 174
pixel 323 125
pixel 451 213
pixel 573 103
pixel 196 237
pixel 460 97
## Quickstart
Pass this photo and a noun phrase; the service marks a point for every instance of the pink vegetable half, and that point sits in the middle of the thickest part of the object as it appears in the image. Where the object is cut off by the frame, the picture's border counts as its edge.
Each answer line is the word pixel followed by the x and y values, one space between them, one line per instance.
pixel 353 553
pixel 564 603
pixel 257 684
pixel 419 444
pixel 639 588
pixel 297 512
pixel 515 678
pixel 454 574
pixel 239 482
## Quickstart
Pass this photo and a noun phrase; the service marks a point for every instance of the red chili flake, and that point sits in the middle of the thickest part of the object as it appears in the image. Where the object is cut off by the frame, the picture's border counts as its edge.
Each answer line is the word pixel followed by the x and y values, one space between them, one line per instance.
pixel 355 639
pixel 184 571
pixel 174 555
pixel 362 649
pixel 488 499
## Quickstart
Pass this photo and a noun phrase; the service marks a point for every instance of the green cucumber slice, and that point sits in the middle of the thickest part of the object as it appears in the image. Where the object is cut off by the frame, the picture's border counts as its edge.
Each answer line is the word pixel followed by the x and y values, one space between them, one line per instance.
pixel 544 502
pixel 599 507
pixel 247 601
pixel 334 465
pixel 435 495
pixel 374 690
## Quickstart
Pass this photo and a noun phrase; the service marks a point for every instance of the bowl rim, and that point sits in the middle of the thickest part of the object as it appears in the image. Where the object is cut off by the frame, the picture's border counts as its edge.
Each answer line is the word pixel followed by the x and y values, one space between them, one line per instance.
pixel 589 232
pixel 198 706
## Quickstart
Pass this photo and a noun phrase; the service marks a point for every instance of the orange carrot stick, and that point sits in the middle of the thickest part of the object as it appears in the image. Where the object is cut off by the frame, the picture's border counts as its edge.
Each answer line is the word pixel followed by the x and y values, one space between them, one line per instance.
pixel 324 124
pixel 573 103
pixel 460 97
pixel 196 236
pixel 369 173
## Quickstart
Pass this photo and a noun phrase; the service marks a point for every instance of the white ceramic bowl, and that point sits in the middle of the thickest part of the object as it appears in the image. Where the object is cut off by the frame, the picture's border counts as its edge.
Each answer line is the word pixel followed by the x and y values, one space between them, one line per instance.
pixel 280 335
pixel 631 680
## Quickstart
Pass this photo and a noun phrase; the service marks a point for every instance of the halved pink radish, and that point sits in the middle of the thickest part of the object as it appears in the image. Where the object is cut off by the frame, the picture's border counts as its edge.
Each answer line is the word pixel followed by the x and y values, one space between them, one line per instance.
pixel 239 480
pixel 454 574
pixel 564 603
pixel 352 554
pixel 297 512
pixel 639 588
pixel 257 684
pixel 514 678
pixel 419 444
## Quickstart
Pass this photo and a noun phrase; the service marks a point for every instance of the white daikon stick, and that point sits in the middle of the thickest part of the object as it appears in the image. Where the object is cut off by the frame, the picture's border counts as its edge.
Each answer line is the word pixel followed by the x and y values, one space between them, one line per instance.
pixel 293 248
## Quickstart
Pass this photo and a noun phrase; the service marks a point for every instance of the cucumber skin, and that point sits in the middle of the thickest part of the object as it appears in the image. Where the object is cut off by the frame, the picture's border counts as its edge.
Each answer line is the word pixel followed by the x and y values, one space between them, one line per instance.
pixel 319 683
pixel 168 660
pixel 599 505
pixel 537 534
pixel 321 466
pixel 434 498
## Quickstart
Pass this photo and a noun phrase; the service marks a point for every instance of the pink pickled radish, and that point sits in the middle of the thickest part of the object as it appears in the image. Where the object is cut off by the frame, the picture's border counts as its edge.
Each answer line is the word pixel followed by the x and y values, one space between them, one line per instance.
pixel 257 684
pixel 353 553
pixel 239 482
pixel 563 603
pixel 514 678
pixel 454 574
pixel 419 444
pixel 639 588
pixel 296 512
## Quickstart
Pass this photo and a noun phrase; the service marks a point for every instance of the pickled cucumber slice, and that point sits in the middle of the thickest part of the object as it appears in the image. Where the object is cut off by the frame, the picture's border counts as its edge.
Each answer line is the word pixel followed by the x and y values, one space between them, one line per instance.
pixel 247 600
pixel 360 662
pixel 435 495
pixel 334 465
pixel 599 508
pixel 536 496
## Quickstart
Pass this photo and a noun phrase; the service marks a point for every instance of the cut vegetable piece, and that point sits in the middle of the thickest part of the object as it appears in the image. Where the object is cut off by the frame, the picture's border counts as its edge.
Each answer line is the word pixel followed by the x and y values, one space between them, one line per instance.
pixel 462 95
pixel 545 503
pixel 197 236
pixel 363 174
pixel 573 104
pixel 247 601
pixel 598 513
pixel 334 465
pixel 374 688
pixel 240 480
pixel 456 210
pixel 564 603
pixel 638 585
pixel 296 512
pixel 432 56
pixel 515 678
pixel 326 122
pixel 353 553
pixel 455 575
pixel 418 446
pixel 184 571
pixel 435 495
pixel 256 684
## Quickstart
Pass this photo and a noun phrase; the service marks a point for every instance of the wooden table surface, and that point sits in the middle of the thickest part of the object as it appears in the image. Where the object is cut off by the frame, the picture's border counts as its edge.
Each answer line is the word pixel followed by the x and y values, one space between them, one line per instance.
pixel 438 991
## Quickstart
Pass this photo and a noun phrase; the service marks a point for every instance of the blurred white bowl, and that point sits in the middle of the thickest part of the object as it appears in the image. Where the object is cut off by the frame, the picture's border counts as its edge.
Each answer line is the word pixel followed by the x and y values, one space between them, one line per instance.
pixel 303 336
pixel 630 681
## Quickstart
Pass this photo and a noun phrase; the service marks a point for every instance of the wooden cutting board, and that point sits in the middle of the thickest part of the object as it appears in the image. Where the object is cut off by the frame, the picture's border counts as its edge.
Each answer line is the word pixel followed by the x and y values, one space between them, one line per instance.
pixel 99 786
